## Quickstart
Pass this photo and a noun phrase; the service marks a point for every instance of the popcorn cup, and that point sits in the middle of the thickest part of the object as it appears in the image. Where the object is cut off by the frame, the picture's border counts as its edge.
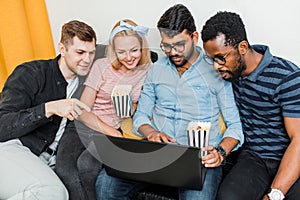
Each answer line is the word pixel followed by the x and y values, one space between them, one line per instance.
pixel 198 135
pixel 121 98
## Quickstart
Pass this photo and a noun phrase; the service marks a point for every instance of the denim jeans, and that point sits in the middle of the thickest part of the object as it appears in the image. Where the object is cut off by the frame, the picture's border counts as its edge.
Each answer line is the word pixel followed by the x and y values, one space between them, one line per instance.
pixel 112 188
pixel 251 177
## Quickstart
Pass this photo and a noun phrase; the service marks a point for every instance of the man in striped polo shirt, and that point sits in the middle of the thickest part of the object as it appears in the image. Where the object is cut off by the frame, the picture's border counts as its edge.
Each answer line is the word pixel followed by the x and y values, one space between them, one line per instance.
pixel 267 93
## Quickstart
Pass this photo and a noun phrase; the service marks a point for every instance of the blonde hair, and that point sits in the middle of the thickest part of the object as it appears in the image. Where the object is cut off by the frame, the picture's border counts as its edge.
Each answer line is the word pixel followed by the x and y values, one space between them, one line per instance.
pixel 111 53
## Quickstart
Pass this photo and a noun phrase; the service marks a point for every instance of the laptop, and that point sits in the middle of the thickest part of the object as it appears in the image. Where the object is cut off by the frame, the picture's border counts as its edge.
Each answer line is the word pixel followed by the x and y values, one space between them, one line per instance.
pixel 151 162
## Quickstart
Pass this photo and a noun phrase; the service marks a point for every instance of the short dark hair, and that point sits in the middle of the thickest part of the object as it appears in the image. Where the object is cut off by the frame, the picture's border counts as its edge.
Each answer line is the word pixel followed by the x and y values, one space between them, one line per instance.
pixel 228 23
pixel 77 28
pixel 175 20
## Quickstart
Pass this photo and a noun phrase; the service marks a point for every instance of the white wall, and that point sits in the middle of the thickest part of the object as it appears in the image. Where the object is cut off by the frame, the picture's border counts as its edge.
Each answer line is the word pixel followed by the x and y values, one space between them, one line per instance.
pixel 272 22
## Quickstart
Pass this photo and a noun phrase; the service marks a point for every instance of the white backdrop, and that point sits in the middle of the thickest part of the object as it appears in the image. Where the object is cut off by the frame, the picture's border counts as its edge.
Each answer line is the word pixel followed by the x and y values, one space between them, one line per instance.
pixel 275 23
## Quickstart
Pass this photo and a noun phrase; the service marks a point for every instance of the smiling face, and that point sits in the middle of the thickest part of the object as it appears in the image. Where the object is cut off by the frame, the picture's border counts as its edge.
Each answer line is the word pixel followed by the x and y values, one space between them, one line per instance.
pixel 227 59
pixel 76 58
pixel 128 51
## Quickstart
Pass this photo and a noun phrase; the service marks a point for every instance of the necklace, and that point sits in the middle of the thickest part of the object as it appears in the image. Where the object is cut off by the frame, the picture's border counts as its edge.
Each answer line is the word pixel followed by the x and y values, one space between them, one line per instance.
pixel 186 68
pixel 182 68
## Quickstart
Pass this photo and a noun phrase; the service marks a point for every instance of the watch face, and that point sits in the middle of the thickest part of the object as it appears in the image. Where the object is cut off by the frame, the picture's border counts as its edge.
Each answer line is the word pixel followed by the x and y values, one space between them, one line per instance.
pixel 276 195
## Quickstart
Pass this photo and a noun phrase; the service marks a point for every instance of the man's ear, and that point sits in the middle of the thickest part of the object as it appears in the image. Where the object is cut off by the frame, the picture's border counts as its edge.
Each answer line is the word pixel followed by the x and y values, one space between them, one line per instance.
pixel 243 47
pixel 61 48
pixel 195 37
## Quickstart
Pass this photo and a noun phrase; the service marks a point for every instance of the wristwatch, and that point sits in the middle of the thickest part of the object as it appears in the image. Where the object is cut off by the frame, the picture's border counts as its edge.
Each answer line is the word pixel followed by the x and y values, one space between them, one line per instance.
pixel 275 194
pixel 222 151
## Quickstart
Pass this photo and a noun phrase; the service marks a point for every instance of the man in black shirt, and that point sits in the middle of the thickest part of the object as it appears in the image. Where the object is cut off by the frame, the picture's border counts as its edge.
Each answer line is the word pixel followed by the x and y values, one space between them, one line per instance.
pixel 35 107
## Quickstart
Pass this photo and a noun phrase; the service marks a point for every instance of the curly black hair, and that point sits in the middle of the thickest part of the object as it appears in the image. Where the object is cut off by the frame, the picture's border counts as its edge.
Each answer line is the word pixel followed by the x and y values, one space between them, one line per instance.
pixel 175 20
pixel 227 23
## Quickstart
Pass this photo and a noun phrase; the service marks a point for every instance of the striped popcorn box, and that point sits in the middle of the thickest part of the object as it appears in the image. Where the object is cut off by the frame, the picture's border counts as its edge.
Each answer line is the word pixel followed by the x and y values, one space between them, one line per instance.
pixel 121 97
pixel 198 134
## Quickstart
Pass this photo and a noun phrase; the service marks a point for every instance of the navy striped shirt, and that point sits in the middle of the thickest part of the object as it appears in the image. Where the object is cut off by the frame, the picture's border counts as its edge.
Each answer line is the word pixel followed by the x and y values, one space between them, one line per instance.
pixel 268 94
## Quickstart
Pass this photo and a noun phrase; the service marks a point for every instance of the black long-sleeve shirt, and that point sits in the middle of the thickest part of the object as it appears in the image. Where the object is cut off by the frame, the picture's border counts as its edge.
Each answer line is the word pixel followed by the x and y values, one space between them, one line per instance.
pixel 22 106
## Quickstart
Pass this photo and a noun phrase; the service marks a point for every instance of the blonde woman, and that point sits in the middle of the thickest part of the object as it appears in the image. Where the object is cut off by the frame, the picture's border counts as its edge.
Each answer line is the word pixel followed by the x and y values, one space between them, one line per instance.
pixel 127 63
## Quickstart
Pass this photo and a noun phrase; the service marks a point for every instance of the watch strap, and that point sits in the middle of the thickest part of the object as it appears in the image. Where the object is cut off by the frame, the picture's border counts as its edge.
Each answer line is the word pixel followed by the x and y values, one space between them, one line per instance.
pixel 222 151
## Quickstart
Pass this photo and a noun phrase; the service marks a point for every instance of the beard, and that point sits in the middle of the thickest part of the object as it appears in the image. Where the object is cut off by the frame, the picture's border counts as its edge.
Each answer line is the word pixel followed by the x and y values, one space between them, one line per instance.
pixel 237 70
pixel 182 63
pixel 185 59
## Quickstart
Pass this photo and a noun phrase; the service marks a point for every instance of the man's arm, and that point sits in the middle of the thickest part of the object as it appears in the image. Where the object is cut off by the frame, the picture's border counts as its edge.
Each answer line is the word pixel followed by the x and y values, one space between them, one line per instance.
pixel 231 117
pixel 16 121
pixel 68 108
pixel 145 106
pixel 233 136
pixel 90 119
pixel 289 169
pixel 215 157
pixel 18 114
pixel 25 105
pixel 288 93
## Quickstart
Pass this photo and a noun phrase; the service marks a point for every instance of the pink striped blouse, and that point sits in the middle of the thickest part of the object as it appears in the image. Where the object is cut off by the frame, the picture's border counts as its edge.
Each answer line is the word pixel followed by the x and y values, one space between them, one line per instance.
pixel 103 78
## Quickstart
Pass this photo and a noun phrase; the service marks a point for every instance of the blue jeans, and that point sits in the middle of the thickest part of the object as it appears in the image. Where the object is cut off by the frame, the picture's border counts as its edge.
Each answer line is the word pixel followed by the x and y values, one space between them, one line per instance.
pixel 112 188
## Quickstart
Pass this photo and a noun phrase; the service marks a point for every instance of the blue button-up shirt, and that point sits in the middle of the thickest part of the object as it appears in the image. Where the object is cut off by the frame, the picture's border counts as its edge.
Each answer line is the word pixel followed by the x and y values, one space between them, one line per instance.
pixel 169 102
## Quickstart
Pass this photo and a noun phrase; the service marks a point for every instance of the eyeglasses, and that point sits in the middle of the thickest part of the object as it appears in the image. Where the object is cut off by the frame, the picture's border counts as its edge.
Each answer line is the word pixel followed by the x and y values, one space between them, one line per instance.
pixel 178 47
pixel 220 60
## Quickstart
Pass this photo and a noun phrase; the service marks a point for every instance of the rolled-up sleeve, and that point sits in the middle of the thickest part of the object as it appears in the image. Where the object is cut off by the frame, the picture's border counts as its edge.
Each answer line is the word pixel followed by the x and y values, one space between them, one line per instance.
pixel 146 103
pixel 230 114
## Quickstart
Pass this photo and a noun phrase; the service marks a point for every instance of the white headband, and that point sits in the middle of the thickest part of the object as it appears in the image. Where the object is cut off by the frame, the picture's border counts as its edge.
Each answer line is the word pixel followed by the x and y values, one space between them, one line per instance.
pixel 140 30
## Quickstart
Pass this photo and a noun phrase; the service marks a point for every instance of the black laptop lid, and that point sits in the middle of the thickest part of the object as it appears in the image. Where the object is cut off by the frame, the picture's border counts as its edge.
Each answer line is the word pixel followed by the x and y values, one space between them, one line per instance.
pixel 152 162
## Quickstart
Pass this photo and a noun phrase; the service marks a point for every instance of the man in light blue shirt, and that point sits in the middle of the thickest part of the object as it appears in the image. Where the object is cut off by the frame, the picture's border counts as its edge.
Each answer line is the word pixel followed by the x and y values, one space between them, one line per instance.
pixel 180 88
pixel 169 101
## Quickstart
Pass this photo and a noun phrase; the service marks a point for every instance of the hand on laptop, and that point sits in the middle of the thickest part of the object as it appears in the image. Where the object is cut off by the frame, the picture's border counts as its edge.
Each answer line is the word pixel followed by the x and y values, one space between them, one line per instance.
pixel 154 135
pixel 160 137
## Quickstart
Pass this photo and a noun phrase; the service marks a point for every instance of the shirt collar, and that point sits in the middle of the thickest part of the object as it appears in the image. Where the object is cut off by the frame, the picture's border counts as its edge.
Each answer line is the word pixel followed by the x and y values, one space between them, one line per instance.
pixel 266 60
pixel 60 78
